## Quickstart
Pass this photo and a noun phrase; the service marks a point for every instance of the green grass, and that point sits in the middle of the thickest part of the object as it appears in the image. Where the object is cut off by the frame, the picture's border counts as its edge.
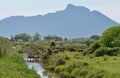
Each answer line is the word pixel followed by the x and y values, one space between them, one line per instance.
pixel 78 66
pixel 15 67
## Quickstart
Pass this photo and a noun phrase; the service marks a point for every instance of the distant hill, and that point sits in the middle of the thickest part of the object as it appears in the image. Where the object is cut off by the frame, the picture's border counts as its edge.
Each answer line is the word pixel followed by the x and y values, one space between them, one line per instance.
pixel 72 22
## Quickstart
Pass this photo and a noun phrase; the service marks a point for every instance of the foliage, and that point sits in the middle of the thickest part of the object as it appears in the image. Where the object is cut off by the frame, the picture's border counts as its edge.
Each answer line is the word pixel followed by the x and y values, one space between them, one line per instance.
pixel 116 42
pixel 5 46
pixel 95 37
pixel 59 61
pixel 12 65
pixel 23 36
pixel 19 49
pixel 15 67
pixel 92 48
pixel 97 67
pixel 110 37
pixel 52 44
pixel 52 38
pixel 36 37
pixel 101 51
pixel 108 44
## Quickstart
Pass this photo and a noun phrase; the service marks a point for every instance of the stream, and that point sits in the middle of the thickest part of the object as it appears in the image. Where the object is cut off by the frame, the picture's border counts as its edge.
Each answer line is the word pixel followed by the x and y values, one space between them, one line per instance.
pixel 37 67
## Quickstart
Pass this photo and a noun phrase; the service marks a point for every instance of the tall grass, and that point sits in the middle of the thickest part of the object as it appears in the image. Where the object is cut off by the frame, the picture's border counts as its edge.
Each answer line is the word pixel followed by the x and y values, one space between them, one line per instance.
pixel 12 65
pixel 15 67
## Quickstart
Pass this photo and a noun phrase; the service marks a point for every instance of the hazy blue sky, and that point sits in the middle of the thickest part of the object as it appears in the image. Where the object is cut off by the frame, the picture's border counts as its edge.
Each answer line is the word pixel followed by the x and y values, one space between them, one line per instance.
pixel 111 8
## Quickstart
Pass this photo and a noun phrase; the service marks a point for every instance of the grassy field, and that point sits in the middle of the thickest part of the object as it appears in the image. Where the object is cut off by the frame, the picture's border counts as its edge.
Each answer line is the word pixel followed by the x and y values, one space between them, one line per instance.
pixel 75 65
pixel 15 67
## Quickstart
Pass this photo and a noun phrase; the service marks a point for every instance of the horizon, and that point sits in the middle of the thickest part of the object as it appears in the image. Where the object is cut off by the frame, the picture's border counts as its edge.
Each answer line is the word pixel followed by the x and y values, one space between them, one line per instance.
pixel 109 8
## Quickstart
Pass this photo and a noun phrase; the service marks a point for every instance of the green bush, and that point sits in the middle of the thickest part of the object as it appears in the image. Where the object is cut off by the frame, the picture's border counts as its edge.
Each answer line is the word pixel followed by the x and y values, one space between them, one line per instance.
pixel 107 51
pixel 60 61
pixel 59 68
pixel 113 51
pixel 19 49
pixel 51 67
pixel 75 72
pixel 92 48
pixel 101 51
pixel 65 74
pixel 110 36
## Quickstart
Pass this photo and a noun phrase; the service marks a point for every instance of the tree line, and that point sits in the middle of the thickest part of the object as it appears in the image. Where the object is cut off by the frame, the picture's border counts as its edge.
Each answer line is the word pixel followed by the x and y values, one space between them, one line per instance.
pixel 26 37
pixel 36 37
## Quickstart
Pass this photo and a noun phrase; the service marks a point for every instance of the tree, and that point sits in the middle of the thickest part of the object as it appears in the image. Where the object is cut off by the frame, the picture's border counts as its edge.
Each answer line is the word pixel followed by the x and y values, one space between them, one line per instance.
pixel 65 39
pixel 111 36
pixel 23 36
pixel 36 37
pixel 12 38
pixel 95 37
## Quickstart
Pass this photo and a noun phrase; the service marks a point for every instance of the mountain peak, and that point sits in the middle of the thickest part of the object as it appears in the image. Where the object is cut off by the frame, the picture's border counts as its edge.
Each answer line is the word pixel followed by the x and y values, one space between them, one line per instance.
pixel 71 6
pixel 77 8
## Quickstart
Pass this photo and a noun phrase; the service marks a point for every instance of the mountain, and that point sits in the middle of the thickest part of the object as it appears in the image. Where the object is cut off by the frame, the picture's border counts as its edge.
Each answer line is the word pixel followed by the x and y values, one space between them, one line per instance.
pixel 72 22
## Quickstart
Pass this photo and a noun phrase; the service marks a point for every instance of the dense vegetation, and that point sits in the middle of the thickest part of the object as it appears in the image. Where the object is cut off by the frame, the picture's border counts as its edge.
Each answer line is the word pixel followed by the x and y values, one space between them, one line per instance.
pixel 12 65
pixel 94 57
pixel 87 64
pixel 109 43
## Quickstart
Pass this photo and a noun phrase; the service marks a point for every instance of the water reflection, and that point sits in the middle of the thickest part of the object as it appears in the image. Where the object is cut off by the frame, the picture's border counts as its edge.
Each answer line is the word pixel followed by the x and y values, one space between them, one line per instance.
pixel 37 67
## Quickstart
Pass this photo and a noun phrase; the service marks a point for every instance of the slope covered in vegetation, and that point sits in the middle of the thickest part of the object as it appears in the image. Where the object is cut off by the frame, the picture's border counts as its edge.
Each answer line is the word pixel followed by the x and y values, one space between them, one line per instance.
pixel 12 65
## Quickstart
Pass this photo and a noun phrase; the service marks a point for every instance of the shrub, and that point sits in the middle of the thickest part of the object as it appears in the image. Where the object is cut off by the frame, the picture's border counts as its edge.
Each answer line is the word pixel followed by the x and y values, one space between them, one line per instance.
pixel 110 35
pixel 75 72
pixel 83 73
pixel 70 67
pixel 59 61
pixel 113 51
pixel 19 49
pixel 101 51
pixel 49 52
pixel 51 67
pixel 59 69
pixel 92 48
pixel 107 51
pixel 65 74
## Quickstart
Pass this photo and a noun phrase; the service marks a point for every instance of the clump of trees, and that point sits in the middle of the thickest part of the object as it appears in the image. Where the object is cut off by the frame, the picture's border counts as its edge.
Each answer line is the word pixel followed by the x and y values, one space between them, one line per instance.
pixel 26 37
pixel 108 44
pixel 53 38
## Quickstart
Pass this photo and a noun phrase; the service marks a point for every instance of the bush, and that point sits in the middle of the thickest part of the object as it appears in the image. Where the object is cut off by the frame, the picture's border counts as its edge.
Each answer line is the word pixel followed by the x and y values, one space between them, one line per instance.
pixel 113 51
pixel 107 51
pixel 51 67
pixel 59 69
pixel 92 48
pixel 19 49
pixel 70 67
pixel 65 74
pixel 101 51
pixel 59 61
pixel 49 52
pixel 75 72
pixel 110 35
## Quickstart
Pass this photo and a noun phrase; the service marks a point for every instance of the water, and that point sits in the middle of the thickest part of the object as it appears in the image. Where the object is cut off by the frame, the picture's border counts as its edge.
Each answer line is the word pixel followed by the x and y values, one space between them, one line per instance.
pixel 37 67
